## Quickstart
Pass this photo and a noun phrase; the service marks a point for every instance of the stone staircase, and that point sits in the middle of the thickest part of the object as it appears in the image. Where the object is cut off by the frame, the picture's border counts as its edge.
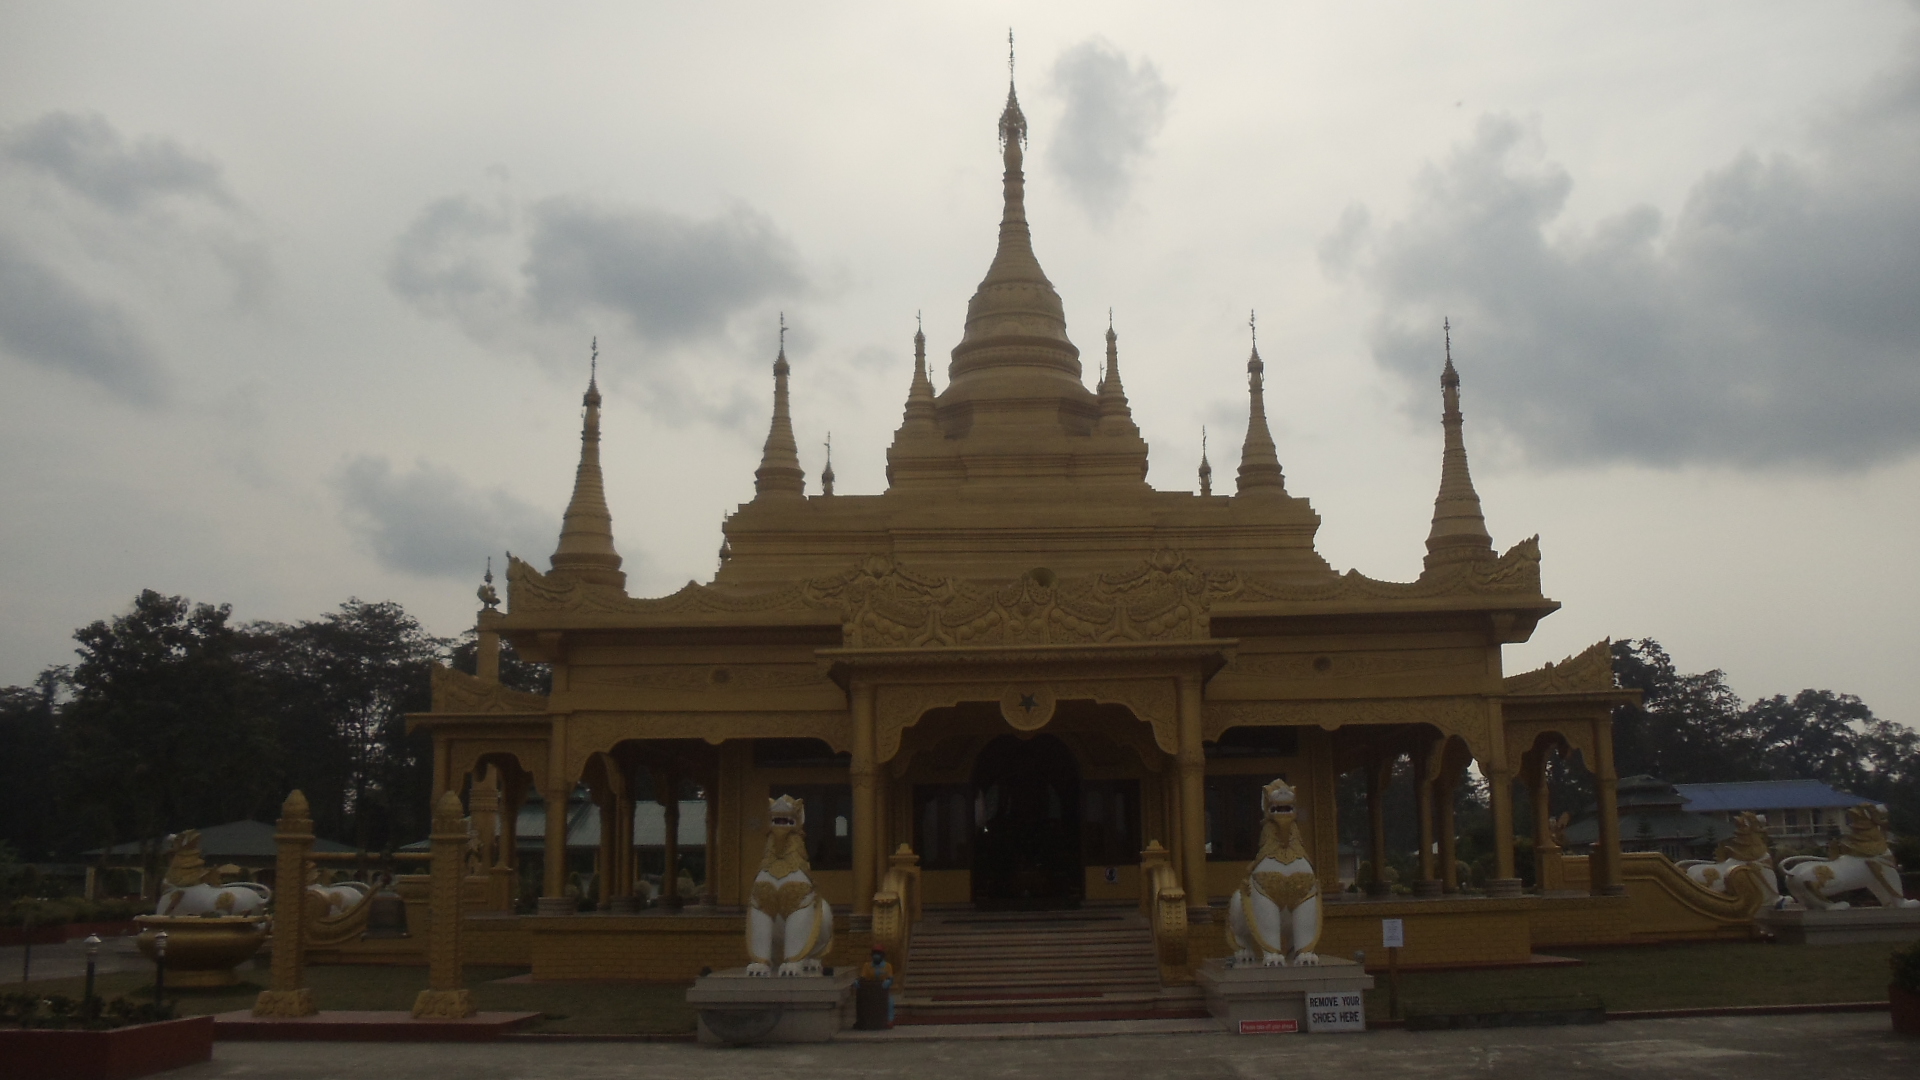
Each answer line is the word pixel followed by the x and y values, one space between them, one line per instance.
pixel 969 966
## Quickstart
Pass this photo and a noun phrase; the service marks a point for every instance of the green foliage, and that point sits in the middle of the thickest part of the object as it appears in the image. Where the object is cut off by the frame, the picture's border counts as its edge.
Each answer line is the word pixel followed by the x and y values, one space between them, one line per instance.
pixel 67 909
pixel 167 728
pixel 1906 968
pixel 57 1012
pixel 1695 729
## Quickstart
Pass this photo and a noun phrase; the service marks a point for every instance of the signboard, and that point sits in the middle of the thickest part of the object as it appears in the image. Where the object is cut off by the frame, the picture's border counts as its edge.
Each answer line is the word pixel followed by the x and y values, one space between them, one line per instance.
pixel 1393 933
pixel 1269 1027
pixel 1343 1010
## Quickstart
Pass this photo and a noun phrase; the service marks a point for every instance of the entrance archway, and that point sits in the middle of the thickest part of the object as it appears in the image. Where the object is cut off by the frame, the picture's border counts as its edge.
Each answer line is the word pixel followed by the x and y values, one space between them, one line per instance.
pixel 1026 850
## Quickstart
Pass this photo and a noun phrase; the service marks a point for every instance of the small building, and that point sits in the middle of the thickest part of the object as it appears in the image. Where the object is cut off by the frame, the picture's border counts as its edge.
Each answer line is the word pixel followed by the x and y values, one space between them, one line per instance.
pixel 1803 810
pixel 1655 816
pixel 248 845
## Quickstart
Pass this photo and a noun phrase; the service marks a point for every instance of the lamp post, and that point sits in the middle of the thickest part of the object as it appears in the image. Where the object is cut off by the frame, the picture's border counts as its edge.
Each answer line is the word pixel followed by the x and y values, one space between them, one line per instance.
pixel 87 1003
pixel 159 967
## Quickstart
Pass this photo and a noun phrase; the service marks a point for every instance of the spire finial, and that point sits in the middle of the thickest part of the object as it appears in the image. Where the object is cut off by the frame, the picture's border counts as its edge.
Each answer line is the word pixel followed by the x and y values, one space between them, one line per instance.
pixel 1206 468
pixel 1009 56
pixel 1259 461
pixel 1459 532
pixel 1116 417
pixel 586 550
pixel 489 596
pixel 826 474
pixel 779 472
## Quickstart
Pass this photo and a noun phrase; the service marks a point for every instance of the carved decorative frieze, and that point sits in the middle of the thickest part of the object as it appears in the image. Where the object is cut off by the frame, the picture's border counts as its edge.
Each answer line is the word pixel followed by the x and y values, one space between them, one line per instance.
pixel 459 692
pixel 889 606
pixel 702 677
pixel 1344 665
pixel 1468 717
pixel 882 604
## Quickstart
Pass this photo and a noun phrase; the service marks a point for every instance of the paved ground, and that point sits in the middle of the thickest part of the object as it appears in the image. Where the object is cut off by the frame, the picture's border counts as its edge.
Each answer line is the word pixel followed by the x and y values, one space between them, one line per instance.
pixel 69 961
pixel 1816 1047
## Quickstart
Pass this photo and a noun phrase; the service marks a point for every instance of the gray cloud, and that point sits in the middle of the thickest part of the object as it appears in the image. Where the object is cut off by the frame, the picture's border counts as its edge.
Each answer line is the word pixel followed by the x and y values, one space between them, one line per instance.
pixel 88 156
pixel 673 279
pixel 432 523
pixel 1775 320
pixel 1114 108
pixel 46 320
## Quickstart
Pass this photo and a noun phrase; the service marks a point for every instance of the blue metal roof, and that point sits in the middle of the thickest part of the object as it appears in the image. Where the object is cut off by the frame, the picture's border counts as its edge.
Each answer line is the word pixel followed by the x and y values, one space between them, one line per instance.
pixel 1764 795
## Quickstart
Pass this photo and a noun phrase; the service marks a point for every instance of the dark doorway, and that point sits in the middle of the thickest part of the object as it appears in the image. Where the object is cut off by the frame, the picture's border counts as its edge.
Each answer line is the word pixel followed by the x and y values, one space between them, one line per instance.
pixel 1026 850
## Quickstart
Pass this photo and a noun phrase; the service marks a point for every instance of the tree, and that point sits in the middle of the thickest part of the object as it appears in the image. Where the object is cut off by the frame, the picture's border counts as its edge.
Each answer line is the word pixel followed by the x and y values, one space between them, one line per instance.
pixel 167 727
pixel 343 684
pixel 1687 729
pixel 29 759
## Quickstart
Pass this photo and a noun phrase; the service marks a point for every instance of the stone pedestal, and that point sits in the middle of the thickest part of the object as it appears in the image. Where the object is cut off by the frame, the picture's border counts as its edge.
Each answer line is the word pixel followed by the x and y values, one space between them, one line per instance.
pixel 1846 927
pixel 1259 993
pixel 736 1009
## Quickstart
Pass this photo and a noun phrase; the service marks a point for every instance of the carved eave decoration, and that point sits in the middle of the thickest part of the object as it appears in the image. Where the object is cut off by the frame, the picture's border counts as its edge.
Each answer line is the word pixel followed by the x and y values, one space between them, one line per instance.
pixel 458 692
pixel 1590 672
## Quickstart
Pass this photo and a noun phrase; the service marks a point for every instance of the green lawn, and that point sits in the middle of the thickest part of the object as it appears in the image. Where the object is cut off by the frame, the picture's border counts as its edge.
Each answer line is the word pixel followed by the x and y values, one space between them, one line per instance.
pixel 1652 977
pixel 624 1008
pixel 1661 977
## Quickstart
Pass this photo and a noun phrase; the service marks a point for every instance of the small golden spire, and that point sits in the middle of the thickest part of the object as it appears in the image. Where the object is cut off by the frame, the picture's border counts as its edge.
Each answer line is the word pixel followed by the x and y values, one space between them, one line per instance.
pixel 779 473
pixel 1116 417
pixel 1259 461
pixel 586 550
pixel 826 474
pixel 1206 470
pixel 1459 532
pixel 920 406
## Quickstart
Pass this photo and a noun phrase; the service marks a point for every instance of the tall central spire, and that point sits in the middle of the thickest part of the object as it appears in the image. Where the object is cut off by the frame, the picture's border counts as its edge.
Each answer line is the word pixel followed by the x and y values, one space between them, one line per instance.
pixel 1015 319
pixel 586 549
pixel 1459 531
pixel 779 474
pixel 1259 461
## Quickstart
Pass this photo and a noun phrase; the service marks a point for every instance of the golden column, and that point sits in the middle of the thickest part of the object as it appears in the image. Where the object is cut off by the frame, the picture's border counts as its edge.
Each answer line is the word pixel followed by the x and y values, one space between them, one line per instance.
pixel 1425 768
pixel 1193 802
pixel 446 996
pixel 865 818
pixel 667 794
pixel 1379 775
pixel 557 791
pixel 294 836
pixel 1606 879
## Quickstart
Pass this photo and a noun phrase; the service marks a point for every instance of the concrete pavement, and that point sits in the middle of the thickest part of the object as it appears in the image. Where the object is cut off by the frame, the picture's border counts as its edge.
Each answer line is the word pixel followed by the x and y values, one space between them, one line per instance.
pixel 1804 1047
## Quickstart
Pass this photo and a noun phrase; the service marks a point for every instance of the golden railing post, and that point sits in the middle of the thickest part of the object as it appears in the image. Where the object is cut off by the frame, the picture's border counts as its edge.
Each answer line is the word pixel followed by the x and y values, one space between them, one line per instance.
pixel 446 996
pixel 294 838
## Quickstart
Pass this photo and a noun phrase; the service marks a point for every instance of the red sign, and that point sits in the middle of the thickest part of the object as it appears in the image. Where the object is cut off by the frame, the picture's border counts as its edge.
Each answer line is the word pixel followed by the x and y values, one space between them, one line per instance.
pixel 1269 1027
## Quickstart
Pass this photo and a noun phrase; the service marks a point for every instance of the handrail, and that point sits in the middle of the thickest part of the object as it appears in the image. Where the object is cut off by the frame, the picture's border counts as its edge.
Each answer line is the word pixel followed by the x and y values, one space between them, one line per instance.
pixel 896 907
pixel 1164 902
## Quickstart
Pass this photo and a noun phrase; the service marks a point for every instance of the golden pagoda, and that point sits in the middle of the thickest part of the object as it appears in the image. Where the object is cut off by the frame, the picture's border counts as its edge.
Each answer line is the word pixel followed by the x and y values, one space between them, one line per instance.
pixel 1022 677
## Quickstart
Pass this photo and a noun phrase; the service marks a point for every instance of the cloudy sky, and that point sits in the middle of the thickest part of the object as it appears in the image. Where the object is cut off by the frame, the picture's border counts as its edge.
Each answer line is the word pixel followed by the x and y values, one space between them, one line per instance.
pixel 295 300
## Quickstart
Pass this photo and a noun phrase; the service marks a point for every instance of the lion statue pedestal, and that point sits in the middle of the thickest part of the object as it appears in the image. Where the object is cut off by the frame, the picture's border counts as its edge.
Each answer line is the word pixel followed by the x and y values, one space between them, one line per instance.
pixel 1859 860
pixel 211 925
pixel 1275 981
pixel 784 994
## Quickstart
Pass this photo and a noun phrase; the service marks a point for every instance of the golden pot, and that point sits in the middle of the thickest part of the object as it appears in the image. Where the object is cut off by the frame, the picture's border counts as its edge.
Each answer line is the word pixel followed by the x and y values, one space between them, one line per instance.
pixel 202 951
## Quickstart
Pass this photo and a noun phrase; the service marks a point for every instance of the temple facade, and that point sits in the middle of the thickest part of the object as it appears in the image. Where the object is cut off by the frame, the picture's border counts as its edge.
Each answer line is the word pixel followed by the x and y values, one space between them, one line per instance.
pixel 1025 678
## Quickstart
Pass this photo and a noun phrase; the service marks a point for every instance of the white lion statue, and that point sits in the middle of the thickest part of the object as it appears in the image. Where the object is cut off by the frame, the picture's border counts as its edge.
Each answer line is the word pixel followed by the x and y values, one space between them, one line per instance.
pixel 1743 865
pixel 1858 860
pixel 194 888
pixel 1276 913
pixel 788 923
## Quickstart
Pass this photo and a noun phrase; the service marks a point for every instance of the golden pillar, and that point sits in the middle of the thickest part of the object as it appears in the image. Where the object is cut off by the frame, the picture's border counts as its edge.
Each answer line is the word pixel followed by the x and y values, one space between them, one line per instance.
pixel 1443 789
pixel 446 996
pixel 865 812
pixel 1500 794
pixel 294 838
pixel 1533 770
pixel 1605 863
pixel 1425 765
pixel 710 802
pixel 1379 776
pixel 668 796
pixel 553 891
pixel 607 855
pixel 1193 802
